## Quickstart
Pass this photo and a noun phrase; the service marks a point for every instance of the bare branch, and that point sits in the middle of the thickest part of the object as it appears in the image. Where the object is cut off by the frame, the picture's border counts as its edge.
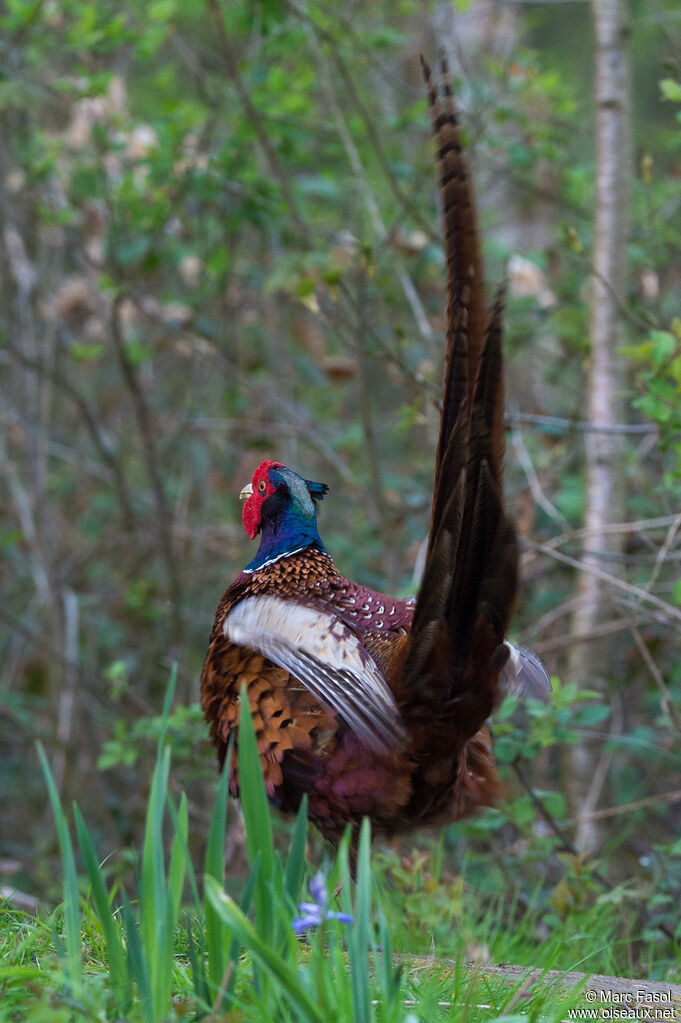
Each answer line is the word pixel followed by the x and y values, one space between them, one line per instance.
pixel 635 526
pixel 567 639
pixel 580 425
pixel 91 420
pixel 533 480
pixel 232 65
pixel 668 704
pixel 664 550
pixel 146 431
pixel 611 580
pixel 639 804
pixel 355 162
pixel 405 200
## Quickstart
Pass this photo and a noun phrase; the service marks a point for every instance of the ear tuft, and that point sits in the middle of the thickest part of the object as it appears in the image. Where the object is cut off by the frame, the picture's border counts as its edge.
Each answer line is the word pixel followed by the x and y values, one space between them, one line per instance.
pixel 317 490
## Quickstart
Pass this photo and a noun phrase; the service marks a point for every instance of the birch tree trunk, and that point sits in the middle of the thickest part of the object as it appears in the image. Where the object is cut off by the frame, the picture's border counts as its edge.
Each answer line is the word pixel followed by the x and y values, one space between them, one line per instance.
pixel 590 663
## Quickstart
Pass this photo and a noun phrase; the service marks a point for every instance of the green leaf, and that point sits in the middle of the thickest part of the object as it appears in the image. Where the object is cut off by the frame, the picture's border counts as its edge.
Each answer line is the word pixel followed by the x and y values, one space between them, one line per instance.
pixel 161 10
pixel 671 90
pixel 664 346
pixel 554 802
pixel 305 287
pixel 591 715
pixel 85 353
pixel 319 186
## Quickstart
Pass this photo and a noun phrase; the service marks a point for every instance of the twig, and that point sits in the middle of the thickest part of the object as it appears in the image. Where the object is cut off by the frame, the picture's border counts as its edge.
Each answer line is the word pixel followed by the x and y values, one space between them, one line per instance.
pixel 674 527
pixel 627 559
pixel 639 804
pixel 70 678
pixel 603 765
pixel 535 486
pixel 224 984
pixel 232 66
pixel 25 513
pixel 637 526
pixel 39 640
pixel 566 843
pixel 539 625
pixel 520 846
pixel 377 489
pixel 667 700
pixel 90 419
pixel 146 432
pixel 355 162
pixel 568 638
pixel 612 580
pixel 406 202
pixel 290 413
pixel 581 425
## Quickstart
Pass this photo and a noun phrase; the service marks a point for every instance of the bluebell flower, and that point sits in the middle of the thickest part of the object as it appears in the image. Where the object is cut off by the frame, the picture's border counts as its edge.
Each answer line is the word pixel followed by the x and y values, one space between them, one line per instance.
pixel 312 914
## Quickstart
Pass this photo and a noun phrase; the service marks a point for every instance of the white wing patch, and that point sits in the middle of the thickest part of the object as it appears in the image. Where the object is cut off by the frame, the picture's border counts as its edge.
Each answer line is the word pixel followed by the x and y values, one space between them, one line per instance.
pixel 327 658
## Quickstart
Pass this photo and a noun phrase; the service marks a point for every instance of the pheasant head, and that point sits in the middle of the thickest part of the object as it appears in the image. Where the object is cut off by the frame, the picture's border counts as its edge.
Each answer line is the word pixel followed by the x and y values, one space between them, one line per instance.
pixel 281 506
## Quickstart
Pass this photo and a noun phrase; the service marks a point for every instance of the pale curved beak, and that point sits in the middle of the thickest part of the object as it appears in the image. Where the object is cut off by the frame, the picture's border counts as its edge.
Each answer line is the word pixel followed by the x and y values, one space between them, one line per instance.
pixel 246 492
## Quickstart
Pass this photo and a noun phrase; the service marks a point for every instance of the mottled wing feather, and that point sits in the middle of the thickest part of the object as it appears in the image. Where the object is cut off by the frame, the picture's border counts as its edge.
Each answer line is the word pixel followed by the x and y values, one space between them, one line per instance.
pixel 524 676
pixel 327 657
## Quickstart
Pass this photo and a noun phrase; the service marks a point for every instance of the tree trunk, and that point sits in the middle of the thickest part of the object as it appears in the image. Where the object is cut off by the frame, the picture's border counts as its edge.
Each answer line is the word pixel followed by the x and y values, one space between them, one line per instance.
pixel 590 662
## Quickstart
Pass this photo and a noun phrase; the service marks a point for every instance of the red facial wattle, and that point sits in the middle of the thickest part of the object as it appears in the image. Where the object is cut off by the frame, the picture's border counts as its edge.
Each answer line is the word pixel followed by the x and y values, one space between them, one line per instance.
pixel 262 488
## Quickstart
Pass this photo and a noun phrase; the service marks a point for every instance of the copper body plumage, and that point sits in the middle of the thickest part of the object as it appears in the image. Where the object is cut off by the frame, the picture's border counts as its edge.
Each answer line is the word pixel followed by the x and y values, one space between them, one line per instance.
pixel 375 706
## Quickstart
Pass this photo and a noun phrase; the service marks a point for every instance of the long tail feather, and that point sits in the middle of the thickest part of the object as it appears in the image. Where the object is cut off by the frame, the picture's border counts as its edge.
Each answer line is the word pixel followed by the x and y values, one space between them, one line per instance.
pixel 465 277
pixel 464 605
pixel 490 387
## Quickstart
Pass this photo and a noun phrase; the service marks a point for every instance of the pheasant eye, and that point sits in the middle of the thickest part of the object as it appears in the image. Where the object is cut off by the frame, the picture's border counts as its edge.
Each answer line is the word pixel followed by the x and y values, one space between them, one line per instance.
pixel 262 486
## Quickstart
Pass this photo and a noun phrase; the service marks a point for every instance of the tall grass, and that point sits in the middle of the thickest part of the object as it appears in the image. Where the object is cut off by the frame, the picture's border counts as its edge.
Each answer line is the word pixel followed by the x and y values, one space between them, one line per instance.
pixel 169 950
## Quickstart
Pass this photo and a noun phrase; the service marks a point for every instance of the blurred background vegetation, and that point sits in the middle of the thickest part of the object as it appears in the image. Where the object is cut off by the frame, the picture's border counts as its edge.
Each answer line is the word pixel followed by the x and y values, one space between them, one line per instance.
pixel 220 242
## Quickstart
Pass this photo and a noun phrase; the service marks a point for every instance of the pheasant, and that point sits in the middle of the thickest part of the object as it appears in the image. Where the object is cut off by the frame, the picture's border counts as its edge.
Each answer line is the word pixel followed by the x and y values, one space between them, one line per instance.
pixel 372 705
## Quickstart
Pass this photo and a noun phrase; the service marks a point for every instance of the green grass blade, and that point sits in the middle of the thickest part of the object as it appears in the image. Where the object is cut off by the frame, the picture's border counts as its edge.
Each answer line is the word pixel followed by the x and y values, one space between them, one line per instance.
pixel 295 861
pixel 72 939
pixel 182 835
pixel 257 820
pixel 167 705
pixel 197 961
pixel 232 959
pixel 285 975
pixel 344 870
pixel 137 966
pixel 153 895
pixel 114 947
pixel 253 796
pixel 12 974
pixel 178 857
pixel 361 934
pixel 216 945
pixel 244 905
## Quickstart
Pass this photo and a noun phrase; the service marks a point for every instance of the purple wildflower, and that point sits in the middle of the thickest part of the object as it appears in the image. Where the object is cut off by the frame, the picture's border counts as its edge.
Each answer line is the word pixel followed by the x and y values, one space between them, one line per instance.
pixel 312 914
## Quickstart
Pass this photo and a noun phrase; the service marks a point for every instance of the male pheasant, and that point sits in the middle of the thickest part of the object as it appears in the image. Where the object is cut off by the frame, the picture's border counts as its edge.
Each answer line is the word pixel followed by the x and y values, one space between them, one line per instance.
pixel 371 705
